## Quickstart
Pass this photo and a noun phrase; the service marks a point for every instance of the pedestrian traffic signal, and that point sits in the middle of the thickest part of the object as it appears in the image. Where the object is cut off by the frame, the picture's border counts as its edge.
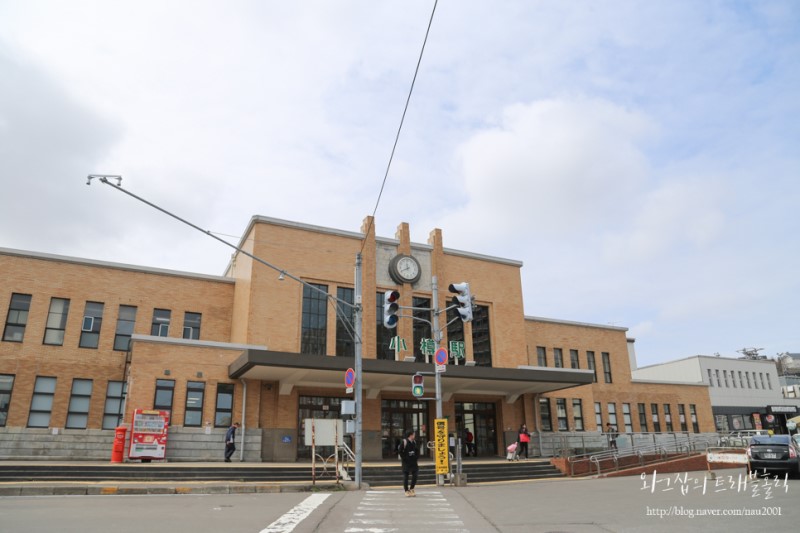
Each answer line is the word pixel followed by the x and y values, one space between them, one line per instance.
pixel 417 385
pixel 463 299
pixel 390 308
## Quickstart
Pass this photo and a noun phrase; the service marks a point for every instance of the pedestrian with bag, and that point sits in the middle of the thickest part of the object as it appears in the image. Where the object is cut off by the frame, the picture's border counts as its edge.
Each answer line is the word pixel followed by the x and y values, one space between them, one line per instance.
pixel 230 441
pixel 523 438
pixel 409 454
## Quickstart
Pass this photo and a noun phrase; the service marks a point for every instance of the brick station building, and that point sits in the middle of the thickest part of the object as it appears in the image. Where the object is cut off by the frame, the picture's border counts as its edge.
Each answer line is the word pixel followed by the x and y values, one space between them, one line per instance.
pixel 86 342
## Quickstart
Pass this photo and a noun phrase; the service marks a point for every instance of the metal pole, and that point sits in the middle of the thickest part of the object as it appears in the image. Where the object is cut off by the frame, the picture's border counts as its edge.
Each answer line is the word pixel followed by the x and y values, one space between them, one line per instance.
pixel 438 376
pixel 357 319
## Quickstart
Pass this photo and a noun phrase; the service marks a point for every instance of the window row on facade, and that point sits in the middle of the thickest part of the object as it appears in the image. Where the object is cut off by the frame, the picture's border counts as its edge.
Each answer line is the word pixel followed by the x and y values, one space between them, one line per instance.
pixel 575 361
pixel 649 417
pixel 82 390
pixel 314 329
pixel 55 326
pixel 746 379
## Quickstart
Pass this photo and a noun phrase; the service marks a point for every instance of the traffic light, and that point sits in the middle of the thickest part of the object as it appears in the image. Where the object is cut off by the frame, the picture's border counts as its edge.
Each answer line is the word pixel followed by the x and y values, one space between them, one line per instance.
pixel 463 299
pixel 417 385
pixel 390 308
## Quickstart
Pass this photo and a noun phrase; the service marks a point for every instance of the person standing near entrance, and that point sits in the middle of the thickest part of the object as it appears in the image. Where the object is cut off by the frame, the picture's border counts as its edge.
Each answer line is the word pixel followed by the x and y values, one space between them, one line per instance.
pixel 523 438
pixel 612 436
pixel 230 441
pixel 409 455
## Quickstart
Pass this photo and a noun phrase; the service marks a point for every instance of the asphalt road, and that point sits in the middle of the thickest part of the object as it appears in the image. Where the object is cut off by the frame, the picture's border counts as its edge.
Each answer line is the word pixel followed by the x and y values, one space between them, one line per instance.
pixel 669 503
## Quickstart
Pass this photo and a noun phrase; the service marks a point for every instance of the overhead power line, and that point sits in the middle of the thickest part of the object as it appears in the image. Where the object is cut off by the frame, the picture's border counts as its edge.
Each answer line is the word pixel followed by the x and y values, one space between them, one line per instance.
pixel 402 120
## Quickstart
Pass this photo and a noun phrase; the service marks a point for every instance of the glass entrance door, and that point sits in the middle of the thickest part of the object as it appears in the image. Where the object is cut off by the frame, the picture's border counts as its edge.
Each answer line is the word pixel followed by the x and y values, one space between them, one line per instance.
pixel 480 418
pixel 398 416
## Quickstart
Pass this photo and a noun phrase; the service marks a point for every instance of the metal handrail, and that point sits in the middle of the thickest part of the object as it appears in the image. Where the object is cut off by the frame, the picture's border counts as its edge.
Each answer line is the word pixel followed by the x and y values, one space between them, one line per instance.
pixel 639 451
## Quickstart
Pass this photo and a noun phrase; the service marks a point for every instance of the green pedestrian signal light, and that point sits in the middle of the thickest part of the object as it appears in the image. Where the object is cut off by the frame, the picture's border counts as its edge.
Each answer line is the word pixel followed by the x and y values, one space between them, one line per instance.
pixel 417 385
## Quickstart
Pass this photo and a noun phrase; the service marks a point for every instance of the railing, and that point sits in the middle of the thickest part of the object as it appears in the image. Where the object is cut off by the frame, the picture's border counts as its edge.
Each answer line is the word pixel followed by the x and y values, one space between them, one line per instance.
pixel 565 444
pixel 645 453
pixel 347 458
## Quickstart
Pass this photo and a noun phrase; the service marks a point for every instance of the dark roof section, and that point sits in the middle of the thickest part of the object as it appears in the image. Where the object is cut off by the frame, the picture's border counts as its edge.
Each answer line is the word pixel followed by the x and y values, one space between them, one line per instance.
pixel 301 370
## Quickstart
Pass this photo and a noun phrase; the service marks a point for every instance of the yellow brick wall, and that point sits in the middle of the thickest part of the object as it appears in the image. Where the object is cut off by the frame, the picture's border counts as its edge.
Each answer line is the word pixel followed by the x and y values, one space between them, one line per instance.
pixel 79 282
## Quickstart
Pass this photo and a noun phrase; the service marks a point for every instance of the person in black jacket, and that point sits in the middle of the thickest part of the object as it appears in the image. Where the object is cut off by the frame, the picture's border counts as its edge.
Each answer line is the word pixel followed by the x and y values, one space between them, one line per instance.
pixel 230 441
pixel 409 454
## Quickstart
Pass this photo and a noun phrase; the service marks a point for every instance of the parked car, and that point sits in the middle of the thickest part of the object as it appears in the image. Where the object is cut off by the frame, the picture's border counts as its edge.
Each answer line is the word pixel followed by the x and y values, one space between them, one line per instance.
pixel 741 438
pixel 774 453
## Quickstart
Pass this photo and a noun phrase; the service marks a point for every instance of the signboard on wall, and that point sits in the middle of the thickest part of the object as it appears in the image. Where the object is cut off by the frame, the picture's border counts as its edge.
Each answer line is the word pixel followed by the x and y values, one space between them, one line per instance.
pixel 149 434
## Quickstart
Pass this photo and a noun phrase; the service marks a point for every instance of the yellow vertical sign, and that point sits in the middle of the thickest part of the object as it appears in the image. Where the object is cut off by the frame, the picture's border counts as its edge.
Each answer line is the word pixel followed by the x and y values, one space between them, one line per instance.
pixel 440 437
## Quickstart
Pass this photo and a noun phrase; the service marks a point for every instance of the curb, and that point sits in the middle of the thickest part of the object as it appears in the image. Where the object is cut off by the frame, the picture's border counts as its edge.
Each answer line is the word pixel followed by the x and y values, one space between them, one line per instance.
pixel 138 490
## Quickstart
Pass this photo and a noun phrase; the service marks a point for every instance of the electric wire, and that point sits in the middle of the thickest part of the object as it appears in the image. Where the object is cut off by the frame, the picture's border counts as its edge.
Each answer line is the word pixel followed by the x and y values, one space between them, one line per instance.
pixel 400 127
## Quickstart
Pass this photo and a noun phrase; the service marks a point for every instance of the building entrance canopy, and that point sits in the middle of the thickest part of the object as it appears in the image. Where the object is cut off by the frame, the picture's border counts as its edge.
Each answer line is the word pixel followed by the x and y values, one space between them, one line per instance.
pixel 292 370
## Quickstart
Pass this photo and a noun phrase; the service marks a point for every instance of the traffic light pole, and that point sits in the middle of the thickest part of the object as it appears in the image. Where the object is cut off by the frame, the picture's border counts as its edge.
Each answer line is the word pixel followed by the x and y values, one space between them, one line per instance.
pixel 357 352
pixel 438 376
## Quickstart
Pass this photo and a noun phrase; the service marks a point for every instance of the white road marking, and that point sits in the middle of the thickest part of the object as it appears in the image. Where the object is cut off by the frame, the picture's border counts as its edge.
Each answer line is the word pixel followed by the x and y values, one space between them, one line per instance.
pixel 390 511
pixel 296 514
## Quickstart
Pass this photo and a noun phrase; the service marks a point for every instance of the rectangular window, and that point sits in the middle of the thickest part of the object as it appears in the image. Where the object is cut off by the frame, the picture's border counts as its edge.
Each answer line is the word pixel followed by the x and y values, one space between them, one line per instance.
pixel 755 381
pixel 481 341
pixel 42 402
pixel 561 414
pixel 741 380
pixel 92 321
pixel 223 412
pixel 314 333
pixel 719 381
pixel 769 382
pixel 761 376
pixel 383 335
pixel 612 414
pixel 573 359
pixel 113 410
pixel 125 323
pixel 725 378
pixel 78 410
pixel 195 391
pixel 654 413
pixel 56 322
pixel 161 320
pixel 345 326
pixel 422 330
pixel 626 417
pixel 558 357
pixel 710 378
pixel 693 413
pixel 191 325
pixel 682 416
pixel 598 415
pixel 733 379
pixel 668 417
pixel 544 414
pixel 606 366
pixel 17 317
pixel 642 418
pixel 541 356
pixel 590 362
pixel 747 375
pixel 577 414
pixel 165 392
pixel 6 386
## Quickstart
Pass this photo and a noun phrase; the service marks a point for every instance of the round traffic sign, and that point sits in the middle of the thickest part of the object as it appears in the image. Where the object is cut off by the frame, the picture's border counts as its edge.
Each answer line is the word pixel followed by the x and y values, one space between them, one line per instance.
pixel 441 356
pixel 349 377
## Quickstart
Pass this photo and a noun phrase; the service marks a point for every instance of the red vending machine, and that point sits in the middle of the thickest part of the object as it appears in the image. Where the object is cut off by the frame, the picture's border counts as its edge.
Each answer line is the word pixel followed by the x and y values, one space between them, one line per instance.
pixel 149 434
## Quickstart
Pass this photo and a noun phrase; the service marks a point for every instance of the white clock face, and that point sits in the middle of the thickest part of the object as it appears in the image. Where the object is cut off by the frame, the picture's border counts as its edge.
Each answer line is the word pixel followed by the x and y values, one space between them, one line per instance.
pixel 408 268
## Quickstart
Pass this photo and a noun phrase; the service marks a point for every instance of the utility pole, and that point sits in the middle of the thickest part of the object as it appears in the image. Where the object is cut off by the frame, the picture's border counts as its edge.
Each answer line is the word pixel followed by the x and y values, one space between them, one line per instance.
pixel 357 318
pixel 437 336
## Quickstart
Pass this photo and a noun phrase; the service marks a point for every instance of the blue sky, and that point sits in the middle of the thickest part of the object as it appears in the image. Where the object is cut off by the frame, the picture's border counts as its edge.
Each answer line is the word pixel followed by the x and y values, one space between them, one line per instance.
pixel 640 158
